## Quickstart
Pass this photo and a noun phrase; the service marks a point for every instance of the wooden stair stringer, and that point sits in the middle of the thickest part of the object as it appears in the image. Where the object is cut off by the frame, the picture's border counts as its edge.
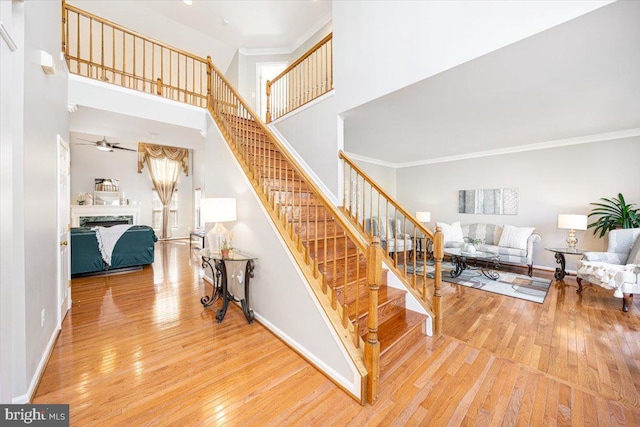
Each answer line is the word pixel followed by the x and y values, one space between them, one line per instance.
pixel 346 332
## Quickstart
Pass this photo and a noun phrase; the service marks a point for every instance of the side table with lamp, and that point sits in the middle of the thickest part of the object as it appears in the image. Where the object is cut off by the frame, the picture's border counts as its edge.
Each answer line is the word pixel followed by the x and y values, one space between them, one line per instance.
pixel 572 223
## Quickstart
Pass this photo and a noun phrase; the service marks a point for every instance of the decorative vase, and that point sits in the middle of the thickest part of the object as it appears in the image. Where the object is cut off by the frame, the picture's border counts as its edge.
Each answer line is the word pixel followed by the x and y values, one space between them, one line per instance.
pixel 225 253
pixel 468 248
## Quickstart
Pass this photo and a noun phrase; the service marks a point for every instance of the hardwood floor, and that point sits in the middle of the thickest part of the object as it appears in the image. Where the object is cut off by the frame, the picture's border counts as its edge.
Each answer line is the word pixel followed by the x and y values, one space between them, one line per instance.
pixel 139 349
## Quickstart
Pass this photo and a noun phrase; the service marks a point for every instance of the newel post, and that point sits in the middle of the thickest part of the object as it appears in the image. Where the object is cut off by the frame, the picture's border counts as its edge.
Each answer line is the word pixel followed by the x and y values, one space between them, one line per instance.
pixel 268 114
pixel 438 254
pixel 209 68
pixel 372 345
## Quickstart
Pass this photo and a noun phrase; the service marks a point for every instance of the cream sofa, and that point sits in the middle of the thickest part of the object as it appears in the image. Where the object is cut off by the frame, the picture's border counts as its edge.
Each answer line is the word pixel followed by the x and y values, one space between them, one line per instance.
pixel 618 268
pixel 516 250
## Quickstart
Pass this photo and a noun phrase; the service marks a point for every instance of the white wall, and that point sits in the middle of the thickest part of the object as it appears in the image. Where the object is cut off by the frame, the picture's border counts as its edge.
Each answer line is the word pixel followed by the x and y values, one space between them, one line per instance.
pixel 279 295
pixel 34 116
pixel 13 379
pixel 382 46
pixel 313 133
pixel 311 41
pixel 550 182
pixel 384 176
pixel 247 80
pixel 87 163
pixel 233 73
pixel 140 16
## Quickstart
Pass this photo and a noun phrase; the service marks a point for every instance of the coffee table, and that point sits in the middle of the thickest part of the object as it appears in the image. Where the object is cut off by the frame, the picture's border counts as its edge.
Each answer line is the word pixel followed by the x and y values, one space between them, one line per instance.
pixel 486 262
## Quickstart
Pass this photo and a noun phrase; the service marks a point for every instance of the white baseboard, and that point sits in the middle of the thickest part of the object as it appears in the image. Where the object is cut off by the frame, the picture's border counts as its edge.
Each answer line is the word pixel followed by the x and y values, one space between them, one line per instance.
pixel 37 375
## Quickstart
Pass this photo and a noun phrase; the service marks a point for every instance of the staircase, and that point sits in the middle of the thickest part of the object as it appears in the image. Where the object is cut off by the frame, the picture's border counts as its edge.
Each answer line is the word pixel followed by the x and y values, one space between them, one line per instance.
pixel 341 262
pixel 324 241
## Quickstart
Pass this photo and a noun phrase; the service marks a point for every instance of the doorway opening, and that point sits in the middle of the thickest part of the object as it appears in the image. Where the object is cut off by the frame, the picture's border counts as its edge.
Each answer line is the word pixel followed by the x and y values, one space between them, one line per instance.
pixel 266 71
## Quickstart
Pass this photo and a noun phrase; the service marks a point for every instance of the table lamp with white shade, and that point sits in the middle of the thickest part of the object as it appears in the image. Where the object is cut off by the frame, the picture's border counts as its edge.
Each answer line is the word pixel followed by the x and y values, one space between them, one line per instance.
pixel 217 210
pixel 572 223
pixel 423 217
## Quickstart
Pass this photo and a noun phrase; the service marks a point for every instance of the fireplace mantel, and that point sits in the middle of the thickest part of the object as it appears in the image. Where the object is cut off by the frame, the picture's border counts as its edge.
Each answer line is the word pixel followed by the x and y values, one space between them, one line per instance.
pixel 88 211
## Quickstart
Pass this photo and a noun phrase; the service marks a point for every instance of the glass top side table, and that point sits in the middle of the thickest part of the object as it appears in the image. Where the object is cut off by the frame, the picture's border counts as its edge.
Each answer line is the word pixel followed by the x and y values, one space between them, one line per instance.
pixel 218 265
pixel 560 253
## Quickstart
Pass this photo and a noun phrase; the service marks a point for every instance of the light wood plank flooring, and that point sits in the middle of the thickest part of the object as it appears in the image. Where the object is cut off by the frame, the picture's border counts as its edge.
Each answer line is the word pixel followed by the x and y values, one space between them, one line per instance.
pixel 138 349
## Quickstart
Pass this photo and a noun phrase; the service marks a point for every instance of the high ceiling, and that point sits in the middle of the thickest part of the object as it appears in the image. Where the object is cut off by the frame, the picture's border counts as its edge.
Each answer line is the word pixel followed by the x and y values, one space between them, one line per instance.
pixel 218 28
pixel 579 79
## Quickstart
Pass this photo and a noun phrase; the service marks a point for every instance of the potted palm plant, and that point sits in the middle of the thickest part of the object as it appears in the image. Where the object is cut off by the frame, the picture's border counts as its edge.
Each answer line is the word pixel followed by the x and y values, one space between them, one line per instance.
pixel 613 213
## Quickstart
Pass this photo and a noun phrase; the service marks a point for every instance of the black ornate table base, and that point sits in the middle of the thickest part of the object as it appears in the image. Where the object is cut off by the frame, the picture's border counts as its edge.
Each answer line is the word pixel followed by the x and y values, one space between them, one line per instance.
pixel 221 287
pixel 560 271
pixel 488 270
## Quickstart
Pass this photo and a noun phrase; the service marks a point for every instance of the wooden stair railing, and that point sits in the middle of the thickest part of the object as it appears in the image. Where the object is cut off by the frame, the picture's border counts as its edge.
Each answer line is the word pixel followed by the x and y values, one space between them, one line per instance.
pixel 342 265
pixel 334 257
pixel 411 250
pixel 307 78
pixel 102 50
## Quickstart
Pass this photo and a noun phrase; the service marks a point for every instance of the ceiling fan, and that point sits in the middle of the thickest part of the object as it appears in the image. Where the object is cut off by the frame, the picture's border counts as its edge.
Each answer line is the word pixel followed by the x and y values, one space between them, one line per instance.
pixel 104 145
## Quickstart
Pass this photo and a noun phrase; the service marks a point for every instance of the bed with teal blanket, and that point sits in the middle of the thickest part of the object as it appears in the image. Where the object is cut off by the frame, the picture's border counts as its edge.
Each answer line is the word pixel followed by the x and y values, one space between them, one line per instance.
pixel 134 248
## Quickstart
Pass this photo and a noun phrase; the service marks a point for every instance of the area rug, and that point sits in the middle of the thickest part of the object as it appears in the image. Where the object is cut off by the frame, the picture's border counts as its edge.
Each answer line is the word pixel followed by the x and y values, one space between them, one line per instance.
pixel 510 284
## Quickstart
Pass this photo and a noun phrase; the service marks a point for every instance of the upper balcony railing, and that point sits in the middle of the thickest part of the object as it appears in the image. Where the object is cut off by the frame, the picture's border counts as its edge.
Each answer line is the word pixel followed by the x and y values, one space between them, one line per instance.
pixel 102 50
pixel 309 77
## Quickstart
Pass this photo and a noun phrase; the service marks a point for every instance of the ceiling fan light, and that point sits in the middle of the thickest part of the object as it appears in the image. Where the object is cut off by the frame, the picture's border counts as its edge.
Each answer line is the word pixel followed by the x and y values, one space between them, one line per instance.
pixel 103 146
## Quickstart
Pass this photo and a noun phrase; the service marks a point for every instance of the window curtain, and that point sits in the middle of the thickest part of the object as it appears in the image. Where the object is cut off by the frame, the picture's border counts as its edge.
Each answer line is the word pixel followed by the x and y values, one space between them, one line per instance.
pixel 164 164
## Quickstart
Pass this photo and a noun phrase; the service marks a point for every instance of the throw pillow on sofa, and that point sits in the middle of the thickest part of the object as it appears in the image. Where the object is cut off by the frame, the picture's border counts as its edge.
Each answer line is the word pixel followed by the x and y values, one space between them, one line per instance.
pixel 515 237
pixel 451 232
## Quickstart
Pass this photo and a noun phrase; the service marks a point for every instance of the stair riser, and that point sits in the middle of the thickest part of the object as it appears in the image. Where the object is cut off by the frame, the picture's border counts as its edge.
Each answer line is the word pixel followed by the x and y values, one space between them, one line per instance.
pixel 385 312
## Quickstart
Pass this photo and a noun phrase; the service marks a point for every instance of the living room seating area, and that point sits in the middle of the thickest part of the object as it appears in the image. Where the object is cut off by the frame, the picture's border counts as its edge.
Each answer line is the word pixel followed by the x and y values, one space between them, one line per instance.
pixel 618 268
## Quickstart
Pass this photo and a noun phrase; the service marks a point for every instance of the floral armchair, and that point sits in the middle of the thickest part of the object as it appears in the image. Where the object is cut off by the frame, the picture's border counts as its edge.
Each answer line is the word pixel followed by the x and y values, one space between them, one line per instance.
pixel 618 268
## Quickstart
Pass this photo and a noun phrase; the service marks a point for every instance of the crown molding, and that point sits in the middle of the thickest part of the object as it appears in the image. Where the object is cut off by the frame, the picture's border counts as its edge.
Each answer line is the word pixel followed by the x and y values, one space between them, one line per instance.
pixel 7 38
pixel 290 49
pixel 264 51
pixel 587 139
pixel 371 160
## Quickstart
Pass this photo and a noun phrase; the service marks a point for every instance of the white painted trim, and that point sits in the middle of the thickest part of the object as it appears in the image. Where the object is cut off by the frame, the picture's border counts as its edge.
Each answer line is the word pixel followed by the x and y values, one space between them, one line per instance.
pixel 353 386
pixel 304 165
pixel 295 45
pixel 608 136
pixel 35 380
pixel 306 106
pixel 7 38
pixel 587 139
pixel 265 51
pixel 354 156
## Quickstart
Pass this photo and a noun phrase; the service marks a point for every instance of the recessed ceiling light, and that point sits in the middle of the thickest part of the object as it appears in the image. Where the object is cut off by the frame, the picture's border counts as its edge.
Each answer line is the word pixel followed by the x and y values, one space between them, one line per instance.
pixel 188 2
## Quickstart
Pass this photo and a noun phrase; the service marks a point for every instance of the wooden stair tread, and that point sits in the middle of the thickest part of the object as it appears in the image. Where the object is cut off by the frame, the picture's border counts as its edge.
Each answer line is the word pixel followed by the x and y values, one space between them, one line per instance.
pixel 336 257
pixel 398 327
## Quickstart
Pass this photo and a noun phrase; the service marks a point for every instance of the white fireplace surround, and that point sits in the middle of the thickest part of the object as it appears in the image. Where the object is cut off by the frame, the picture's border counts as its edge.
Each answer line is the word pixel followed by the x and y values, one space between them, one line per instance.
pixel 89 211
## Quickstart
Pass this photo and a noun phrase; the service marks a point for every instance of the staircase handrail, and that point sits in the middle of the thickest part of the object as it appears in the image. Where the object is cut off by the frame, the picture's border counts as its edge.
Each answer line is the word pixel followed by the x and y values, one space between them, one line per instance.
pixel 386 195
pixel 353 234
pixel 286 97
pixel 436 238
pixel 304 56
pixel 128 31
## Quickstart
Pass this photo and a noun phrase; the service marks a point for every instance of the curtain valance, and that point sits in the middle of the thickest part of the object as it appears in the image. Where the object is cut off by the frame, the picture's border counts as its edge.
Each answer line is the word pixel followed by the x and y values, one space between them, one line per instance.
pixel 154 151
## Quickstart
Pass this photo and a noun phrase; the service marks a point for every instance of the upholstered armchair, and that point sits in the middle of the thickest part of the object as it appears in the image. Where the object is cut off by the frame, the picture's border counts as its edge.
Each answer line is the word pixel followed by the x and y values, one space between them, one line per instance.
pixel 618 268
pixel 393 239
